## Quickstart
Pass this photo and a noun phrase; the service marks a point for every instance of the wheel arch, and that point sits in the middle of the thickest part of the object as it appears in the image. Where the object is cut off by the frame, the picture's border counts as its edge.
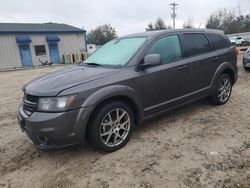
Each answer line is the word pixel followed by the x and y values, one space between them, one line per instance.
pixel 114 93
pixel 224 68
pixel 231 73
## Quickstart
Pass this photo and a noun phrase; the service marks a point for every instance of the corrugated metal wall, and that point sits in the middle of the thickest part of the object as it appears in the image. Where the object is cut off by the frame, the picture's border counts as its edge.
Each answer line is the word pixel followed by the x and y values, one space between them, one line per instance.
pixel 10 54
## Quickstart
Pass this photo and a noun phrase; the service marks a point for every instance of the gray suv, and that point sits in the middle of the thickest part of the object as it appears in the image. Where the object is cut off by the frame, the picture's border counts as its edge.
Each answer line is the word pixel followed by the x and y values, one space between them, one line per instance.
pixel 127 81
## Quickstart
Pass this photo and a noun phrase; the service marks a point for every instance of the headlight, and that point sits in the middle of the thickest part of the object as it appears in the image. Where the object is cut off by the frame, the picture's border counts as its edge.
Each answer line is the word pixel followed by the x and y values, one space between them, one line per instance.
pixel 55 104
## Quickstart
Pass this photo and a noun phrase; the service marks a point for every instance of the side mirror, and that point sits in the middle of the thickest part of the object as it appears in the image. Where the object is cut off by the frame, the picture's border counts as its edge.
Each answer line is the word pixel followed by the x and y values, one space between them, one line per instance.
pixel 151 60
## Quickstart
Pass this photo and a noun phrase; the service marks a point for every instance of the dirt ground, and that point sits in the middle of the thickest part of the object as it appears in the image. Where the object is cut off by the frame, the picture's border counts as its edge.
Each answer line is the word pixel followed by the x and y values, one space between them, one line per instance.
pixel 197 146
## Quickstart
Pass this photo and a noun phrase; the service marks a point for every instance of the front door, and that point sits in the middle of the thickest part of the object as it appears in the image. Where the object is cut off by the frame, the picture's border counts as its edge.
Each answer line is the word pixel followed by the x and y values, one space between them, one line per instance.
pixel 163 85
pixel 54 55
pixel 25 55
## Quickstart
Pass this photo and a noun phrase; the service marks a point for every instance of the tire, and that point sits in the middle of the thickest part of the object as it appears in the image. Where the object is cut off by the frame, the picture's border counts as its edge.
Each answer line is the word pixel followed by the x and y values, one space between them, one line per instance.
pixel 105 131
pixel 222 90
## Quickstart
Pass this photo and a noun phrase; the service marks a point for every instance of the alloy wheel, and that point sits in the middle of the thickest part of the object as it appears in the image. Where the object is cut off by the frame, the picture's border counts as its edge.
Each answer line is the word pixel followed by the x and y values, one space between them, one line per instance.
pixel 224 90
pixel 115 127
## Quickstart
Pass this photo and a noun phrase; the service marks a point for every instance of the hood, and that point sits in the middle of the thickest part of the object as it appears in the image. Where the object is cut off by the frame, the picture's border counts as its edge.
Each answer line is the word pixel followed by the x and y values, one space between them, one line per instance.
pixel 53 83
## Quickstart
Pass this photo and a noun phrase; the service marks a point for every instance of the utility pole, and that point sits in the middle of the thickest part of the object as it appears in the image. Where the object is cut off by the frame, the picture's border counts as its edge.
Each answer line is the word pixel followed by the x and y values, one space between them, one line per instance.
pixel 239 9
pixel 173 15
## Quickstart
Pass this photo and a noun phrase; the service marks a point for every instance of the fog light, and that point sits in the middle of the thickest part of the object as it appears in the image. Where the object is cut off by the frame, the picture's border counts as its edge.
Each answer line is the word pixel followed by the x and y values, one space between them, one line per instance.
pixel 45 141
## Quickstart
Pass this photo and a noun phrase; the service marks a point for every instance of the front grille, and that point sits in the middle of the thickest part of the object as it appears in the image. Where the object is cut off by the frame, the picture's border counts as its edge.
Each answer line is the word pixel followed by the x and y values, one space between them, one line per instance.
pixel 31 98
pixel 29 103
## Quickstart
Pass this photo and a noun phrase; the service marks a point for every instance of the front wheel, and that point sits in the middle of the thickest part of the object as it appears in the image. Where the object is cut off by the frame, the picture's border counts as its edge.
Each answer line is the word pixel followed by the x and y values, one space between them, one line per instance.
pixel 111 126
pixel 222 90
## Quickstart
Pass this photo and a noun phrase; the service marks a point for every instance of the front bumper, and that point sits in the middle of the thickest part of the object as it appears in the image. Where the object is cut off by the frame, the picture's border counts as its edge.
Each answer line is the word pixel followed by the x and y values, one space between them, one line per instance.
pixel 54 130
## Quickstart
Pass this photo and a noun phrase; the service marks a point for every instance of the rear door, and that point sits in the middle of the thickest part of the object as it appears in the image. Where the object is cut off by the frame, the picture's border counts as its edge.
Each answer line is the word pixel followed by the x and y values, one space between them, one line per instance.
pixel 204 61
pixel 221 44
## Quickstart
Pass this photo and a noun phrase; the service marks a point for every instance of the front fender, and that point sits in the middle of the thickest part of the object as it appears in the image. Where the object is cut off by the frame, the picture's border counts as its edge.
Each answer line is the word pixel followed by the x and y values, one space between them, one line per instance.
pixel 113 91
pixel 109 92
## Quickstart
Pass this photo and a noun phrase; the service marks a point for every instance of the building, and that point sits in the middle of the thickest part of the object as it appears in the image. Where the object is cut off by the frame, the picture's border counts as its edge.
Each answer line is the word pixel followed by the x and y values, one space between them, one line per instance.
pixel 25 45
pixel 91 48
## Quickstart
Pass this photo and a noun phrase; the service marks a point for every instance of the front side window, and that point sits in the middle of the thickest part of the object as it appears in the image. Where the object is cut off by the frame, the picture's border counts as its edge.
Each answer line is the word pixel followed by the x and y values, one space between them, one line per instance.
pixel 196 43
pixel 168 47
pixel 40 50
pixel 116 52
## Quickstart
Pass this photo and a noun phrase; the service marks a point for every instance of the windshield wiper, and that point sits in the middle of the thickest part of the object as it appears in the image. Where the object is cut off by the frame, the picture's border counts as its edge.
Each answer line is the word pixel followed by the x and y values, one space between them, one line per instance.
pixel 94 64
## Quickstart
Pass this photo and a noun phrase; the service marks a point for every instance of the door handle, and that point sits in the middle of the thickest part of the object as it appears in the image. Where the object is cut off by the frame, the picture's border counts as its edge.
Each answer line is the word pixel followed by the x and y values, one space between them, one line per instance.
pixel 215 58
pixel 183 67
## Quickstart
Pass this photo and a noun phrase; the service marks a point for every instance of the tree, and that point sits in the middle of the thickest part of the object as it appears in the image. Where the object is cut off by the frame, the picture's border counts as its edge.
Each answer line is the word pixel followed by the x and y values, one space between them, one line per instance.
pixel 150 27
pixel 158 25
pixel 244 22
pixel 227 21
pixel 101 35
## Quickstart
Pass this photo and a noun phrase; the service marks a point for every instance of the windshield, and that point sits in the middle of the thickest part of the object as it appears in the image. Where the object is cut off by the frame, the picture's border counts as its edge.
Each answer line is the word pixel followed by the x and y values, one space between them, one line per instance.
pixel 116 52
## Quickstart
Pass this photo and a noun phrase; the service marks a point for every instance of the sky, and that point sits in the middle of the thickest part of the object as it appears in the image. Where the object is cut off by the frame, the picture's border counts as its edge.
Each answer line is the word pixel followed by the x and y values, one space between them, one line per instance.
pixel 126 16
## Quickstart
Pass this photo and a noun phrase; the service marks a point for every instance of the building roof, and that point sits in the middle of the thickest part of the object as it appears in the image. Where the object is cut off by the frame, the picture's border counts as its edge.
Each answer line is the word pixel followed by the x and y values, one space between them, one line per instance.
pixel 9 28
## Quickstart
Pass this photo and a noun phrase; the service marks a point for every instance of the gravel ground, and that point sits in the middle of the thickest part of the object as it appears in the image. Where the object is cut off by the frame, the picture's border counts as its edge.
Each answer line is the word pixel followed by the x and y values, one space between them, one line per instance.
pixel 197 146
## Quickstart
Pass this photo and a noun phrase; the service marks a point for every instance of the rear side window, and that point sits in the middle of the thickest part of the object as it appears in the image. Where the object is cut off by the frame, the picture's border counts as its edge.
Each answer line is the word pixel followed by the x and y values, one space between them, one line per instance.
pixel 218 41
pixel 196 43
pixel 168 47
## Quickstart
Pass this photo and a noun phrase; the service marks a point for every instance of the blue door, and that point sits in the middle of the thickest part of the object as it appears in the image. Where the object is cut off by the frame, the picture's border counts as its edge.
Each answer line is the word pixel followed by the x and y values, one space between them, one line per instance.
pixel 25 55
pixel 54 55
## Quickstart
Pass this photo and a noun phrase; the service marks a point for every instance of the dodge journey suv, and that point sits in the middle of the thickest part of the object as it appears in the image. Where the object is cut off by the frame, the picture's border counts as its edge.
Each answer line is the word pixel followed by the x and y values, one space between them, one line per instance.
pixel 127 81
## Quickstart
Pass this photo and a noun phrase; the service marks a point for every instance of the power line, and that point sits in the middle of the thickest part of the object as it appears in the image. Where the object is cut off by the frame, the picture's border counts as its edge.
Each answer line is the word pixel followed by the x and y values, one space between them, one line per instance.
pixel 173 15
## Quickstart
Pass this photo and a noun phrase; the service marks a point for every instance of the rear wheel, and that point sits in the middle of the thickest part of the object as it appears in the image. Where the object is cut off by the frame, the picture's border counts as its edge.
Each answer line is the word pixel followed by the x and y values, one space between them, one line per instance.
pixel 111 126
pixel 222 90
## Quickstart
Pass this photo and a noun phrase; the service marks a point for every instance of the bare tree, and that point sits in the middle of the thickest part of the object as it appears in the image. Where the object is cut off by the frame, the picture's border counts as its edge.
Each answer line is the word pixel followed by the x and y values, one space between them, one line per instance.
pixel 226 20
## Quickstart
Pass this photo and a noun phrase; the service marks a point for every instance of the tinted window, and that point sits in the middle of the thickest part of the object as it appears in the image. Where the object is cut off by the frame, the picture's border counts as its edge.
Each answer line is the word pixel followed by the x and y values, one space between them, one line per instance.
pixel 40 50
pixel 168 47
pixel 196 43
pixel 218 41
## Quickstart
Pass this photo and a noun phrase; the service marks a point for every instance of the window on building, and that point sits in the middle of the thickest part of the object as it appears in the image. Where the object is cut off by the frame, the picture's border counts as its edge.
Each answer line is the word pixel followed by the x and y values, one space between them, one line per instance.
pixel 40 50
pixel 196 43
